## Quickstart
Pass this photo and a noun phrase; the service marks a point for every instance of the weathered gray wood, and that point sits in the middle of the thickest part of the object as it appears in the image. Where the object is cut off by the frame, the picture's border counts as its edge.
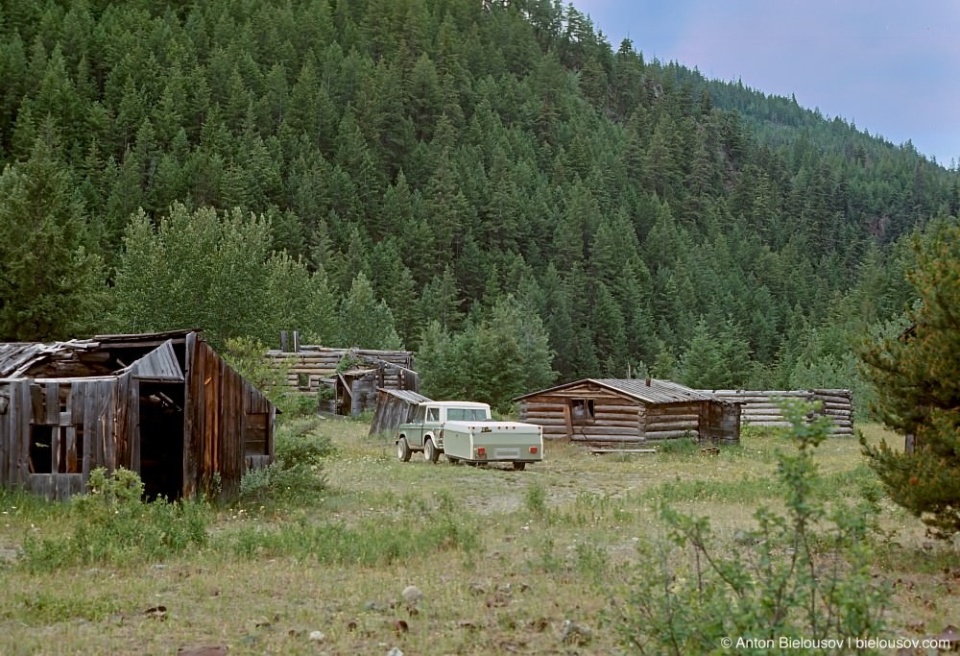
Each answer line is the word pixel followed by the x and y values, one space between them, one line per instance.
pixel 70 435
pixel 41 484
pixel 192 415
pixel 669 435
pixel 24 432
pixel 604 450
pixel 61 487
pixel 109 401
pixel 52 405
pixel 8 441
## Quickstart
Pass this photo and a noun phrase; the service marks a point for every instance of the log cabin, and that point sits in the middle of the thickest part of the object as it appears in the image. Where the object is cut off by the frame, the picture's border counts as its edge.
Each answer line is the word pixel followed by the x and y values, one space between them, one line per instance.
pixel 164 405
pixel 345 380
pixel 625 413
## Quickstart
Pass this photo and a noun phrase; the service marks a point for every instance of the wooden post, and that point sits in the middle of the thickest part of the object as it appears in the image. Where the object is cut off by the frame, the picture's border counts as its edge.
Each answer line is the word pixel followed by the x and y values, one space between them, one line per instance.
pixel 283 341
pixel 296 341
pixel 910 443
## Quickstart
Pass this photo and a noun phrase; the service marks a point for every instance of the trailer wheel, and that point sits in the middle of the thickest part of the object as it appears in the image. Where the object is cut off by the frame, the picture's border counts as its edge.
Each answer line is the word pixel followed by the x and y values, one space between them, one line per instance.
pixel 403 449
pixel 519 465
pixel 430 453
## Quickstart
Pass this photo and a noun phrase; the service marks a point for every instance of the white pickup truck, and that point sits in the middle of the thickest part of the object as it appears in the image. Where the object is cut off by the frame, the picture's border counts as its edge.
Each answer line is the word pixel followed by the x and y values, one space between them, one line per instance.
pixel 465 432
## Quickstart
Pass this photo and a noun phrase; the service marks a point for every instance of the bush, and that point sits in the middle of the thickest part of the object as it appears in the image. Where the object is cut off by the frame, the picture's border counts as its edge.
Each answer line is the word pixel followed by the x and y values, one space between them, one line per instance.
pixel 112 524
pixel 801 574
pixel 297 470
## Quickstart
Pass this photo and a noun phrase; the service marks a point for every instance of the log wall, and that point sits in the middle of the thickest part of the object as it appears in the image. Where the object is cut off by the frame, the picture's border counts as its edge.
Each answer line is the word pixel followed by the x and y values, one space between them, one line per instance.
pixel 761 408
pixel 665 422
pixel 615 419
pixel 312 368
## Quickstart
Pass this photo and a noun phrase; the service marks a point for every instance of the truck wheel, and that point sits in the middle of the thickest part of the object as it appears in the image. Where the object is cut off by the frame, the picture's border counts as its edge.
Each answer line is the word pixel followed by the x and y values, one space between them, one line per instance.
pixel 430 453
pixel 403 449
pixel 519 465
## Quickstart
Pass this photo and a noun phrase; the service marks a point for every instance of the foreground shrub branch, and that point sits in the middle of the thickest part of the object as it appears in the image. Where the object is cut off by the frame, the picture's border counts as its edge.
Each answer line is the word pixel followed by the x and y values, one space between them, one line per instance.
pixel 803 573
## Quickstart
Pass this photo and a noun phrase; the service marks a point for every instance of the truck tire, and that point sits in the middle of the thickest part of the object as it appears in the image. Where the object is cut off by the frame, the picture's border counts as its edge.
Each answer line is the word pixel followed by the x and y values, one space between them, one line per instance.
pixel 403 450
pixel 519 465
pixel 430 453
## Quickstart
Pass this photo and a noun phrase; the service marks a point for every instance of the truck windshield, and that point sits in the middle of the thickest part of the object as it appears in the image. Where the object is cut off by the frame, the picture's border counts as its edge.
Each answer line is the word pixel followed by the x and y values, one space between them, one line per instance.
pixel 466 414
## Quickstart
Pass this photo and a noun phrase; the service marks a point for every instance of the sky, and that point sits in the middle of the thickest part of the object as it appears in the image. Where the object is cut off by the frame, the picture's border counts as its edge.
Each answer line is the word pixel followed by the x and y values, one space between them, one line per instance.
pixel 891 67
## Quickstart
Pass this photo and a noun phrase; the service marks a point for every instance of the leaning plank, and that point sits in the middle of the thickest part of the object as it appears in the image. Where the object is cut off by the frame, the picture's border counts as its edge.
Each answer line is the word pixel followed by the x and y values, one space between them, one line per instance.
pixel 602 450
pixel 668 435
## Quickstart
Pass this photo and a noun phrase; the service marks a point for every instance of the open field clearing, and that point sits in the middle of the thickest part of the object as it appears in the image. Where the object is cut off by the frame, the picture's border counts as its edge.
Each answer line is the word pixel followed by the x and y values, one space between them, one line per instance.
pixel 500 559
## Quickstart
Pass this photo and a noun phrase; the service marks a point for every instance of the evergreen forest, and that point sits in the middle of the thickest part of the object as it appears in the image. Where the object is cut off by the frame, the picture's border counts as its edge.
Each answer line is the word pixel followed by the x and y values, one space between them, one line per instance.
pixel 489 183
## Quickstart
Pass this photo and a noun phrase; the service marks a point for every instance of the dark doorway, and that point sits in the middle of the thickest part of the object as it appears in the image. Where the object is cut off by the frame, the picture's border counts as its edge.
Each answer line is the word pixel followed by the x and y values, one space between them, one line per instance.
pixel 161 440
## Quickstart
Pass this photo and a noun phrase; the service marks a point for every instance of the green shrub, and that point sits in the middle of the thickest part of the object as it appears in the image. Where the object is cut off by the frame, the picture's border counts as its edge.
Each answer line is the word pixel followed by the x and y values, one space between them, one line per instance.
pixel 111 524
pixel 805 573
pixel 297 471
pixel 535 499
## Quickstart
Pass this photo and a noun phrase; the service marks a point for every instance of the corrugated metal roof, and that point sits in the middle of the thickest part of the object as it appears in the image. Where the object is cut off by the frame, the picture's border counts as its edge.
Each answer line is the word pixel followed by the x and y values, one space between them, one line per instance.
pixel 139 338
pixel 657 391
pixel 406 395
pixel 160 364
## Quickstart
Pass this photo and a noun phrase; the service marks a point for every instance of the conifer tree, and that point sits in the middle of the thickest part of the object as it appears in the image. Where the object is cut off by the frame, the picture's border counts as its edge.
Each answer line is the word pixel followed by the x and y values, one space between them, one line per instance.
pixel 50 275
pixel 364 321
pixel 917 377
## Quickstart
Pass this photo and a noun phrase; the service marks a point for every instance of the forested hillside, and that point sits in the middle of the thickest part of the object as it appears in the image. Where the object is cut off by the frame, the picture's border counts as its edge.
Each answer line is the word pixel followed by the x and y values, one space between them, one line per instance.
pixel 389 171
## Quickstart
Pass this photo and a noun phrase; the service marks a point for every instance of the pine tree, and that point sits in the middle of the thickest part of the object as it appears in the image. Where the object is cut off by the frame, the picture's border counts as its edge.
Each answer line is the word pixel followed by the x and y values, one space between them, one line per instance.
pixel 364 321
pixel 51 279
pixel 917 378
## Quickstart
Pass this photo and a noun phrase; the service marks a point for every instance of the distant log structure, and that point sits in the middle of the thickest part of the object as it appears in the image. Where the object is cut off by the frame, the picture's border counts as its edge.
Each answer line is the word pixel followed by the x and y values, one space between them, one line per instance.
pixel 625 414
pixel 348 377
pixel 762 408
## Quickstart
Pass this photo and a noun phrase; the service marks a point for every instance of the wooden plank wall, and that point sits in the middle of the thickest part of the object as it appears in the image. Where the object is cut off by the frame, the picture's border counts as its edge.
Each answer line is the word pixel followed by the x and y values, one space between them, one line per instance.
pixel 89 428
pixel 193 416
pixel 216 425
pixel 17 406
pixel 391 411
pixel 761 408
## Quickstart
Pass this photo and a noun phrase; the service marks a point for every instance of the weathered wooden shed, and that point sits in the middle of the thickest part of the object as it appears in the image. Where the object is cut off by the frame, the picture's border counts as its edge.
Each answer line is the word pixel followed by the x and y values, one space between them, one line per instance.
pixel 162 404
pixel 394 407
pixel 618 413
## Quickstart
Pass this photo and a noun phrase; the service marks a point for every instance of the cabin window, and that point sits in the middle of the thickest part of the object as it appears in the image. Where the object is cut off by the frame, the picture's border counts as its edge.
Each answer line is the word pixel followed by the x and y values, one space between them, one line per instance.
pixel 69 445
pixel 581 410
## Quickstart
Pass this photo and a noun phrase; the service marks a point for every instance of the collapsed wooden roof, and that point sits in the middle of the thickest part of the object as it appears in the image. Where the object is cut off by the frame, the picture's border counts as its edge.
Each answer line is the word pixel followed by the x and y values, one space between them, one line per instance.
pixel 646 390
pixel 150 355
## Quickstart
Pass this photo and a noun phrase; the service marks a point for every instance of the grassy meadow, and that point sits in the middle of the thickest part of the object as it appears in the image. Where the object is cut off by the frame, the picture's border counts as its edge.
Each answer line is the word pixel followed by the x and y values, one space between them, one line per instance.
pixel 503 561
